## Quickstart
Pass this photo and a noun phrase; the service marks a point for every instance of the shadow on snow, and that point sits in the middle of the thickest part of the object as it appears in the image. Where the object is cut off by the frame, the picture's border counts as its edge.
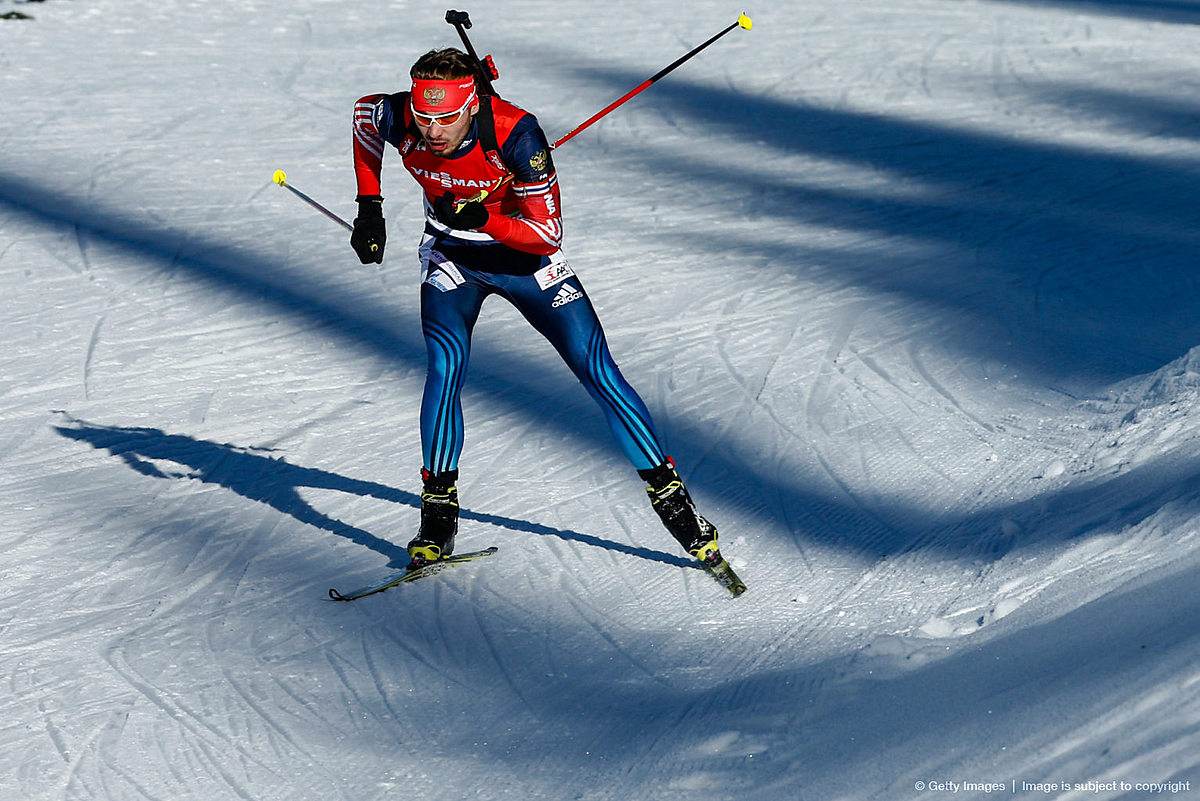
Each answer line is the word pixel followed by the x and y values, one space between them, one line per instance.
pixel 1073 262
pixel 987 693
pixel 1093 249
pixel 1176 11
pixel 255 474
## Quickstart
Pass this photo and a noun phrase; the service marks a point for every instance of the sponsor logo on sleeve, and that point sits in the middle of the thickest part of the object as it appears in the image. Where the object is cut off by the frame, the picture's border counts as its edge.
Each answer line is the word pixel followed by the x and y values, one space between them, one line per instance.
pixel 497 162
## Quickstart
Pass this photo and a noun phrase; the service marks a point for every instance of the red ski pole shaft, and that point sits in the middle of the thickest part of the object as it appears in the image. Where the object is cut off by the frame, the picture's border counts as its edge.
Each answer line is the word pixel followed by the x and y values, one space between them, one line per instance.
pixel 742 22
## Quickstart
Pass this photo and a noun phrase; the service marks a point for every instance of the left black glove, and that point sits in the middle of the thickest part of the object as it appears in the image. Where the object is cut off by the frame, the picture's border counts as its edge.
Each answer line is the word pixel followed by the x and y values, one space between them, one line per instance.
pixel 471 215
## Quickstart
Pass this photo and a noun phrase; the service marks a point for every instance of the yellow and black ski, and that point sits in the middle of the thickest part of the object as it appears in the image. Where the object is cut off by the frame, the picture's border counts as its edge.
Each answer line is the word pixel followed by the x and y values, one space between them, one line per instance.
pixel 723 573
pixel 402 576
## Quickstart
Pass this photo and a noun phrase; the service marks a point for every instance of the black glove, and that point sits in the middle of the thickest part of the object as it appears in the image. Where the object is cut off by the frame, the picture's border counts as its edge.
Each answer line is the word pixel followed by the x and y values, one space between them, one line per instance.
pixel 370 230
pixel 471 215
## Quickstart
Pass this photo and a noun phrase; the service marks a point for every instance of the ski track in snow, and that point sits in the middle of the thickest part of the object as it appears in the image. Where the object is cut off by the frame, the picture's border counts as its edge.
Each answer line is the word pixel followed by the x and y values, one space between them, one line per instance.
pixel 908 287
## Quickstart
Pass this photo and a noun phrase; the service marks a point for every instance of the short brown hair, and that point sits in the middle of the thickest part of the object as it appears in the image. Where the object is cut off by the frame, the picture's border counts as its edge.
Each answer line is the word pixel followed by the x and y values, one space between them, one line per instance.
pixel 446 64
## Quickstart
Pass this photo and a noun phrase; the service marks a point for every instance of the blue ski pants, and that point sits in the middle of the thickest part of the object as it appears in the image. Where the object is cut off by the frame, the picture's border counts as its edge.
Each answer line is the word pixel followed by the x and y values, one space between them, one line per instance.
pixel 555 304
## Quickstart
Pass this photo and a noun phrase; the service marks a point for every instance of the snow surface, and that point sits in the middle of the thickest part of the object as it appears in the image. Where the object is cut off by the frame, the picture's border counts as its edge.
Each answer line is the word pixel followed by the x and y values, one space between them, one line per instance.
pixel 910 286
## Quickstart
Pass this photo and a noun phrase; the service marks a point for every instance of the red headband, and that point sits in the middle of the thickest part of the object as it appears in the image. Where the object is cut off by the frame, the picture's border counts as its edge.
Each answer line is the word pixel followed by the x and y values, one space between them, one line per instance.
pixel 433 97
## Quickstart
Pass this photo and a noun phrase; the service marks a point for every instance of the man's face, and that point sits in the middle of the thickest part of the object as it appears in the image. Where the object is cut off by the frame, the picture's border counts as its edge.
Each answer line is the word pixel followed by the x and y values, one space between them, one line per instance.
pixel 444 140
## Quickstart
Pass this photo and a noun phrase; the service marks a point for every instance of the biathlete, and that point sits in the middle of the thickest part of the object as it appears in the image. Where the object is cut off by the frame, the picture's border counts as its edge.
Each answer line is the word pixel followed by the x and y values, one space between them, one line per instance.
pixel 455 139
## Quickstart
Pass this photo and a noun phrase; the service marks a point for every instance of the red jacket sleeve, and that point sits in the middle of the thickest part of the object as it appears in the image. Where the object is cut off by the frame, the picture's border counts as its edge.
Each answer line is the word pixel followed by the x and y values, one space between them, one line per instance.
pixel 368 144
pixel 537 225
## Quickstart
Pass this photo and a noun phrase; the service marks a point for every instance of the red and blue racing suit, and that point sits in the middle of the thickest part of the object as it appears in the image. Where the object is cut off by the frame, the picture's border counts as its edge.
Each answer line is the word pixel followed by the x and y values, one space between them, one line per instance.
pixel 515 255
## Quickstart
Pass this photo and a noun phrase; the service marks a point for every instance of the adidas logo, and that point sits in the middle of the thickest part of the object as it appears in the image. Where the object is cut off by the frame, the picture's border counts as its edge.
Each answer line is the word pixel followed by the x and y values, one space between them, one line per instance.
pixel 566 294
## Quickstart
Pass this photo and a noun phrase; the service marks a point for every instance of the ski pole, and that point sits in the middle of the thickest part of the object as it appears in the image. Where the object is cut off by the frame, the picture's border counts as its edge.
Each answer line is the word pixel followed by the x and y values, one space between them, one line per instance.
pixel 280 178
pixel 743 22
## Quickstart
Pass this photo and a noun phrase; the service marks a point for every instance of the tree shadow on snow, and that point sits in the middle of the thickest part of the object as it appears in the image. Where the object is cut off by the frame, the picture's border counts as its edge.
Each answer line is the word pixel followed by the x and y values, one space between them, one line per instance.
pixel 255 474
pixel 1081 256
pixel 1176 11
pixel 1067 260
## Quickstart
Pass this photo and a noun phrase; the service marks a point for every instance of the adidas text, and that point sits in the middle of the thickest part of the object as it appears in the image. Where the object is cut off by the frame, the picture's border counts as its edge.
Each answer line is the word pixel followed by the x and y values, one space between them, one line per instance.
pixel 566 294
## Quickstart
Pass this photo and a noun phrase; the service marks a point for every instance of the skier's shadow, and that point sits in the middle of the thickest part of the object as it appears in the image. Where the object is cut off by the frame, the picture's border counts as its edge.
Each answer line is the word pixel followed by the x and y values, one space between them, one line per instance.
pixel 254 473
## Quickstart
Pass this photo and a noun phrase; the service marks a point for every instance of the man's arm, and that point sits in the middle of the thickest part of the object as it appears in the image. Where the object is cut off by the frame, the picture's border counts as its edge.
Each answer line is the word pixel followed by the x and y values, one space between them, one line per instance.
pixel 537 228
pixel 369 235
pixel 369 113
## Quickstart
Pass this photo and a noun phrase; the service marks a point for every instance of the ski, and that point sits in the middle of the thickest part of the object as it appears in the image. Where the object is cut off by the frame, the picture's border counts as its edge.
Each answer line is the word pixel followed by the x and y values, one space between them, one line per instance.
pixel 402 576
pixel 723 573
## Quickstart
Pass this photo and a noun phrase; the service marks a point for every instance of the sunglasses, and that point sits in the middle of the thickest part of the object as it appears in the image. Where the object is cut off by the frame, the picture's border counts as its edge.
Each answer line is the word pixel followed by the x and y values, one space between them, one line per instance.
pixel 442 120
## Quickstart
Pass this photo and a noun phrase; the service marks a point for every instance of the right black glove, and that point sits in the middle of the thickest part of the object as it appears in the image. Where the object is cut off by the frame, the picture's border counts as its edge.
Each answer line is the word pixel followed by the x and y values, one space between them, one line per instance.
pixel 370 230
pixel 473 214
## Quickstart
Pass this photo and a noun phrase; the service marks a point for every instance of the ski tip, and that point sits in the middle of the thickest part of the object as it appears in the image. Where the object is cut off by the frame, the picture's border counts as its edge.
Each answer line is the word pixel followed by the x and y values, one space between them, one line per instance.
pixel 334 595
pixel 744 22
pixel 280 177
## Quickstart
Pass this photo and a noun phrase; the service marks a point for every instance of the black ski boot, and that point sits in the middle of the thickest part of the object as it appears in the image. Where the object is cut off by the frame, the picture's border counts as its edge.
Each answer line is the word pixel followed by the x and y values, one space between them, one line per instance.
pixel 674 505
pixel 439 519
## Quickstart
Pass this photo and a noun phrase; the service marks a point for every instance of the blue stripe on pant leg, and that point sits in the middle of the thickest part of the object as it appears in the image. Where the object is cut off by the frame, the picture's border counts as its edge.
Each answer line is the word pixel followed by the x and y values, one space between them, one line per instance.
pixel 627 413
pixel 575 332
pixel 441 404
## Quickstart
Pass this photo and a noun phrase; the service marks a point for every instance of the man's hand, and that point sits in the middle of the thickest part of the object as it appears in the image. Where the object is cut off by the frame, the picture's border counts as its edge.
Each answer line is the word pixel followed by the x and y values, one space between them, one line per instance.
pixel 471 215
pixel 370 229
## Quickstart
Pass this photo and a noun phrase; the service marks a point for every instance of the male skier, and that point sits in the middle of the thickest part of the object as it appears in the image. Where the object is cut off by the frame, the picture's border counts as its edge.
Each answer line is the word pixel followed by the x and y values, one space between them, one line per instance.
pixel 455 139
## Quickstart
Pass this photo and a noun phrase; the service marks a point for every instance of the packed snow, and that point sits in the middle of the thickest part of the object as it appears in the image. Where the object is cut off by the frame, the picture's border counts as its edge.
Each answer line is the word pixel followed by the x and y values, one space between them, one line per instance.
pixel 910 287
